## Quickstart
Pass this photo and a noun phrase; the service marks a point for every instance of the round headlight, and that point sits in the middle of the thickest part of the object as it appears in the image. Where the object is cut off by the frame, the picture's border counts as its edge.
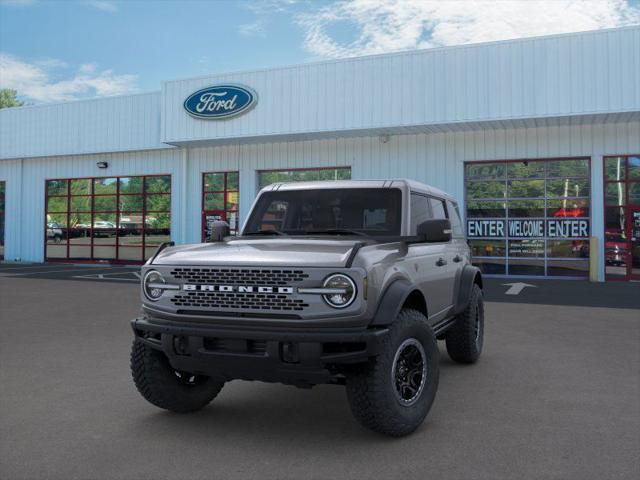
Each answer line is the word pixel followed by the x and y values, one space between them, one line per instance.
pixel 344 291
pixel 150 285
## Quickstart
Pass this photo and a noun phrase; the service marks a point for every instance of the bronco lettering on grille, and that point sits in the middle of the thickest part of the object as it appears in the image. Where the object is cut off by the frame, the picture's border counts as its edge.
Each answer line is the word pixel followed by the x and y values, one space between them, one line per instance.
pixel 237 288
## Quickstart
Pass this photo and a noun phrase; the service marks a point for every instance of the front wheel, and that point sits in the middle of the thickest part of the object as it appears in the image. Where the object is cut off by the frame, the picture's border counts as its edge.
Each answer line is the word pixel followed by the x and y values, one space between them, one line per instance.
pixel 394 392
pixel 165 387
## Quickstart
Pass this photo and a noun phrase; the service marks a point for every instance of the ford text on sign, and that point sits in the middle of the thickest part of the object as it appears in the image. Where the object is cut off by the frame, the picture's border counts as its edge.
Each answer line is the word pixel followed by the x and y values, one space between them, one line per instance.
pixel 220 101
pixel 534 228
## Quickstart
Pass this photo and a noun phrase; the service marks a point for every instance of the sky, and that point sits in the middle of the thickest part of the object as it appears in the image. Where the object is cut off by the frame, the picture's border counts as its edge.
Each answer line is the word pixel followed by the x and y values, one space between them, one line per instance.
pixel 59 50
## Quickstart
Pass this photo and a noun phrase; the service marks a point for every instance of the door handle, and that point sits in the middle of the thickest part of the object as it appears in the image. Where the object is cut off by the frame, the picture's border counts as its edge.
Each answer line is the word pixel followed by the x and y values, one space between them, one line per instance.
pixel 441 262
pixel 457 259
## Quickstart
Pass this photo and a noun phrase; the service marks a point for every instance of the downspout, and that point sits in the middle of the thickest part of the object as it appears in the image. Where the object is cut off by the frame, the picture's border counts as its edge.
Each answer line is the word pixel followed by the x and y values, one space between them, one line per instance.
pixel 184 197
pixel 18 235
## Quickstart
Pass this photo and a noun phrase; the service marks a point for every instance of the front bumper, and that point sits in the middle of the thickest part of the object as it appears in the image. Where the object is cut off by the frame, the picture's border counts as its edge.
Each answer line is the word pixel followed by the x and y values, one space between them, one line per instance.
pixel 297 356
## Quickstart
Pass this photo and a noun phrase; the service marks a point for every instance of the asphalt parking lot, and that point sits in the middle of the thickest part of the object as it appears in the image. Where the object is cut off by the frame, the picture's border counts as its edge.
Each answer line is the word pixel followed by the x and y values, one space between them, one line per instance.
pixel 556 395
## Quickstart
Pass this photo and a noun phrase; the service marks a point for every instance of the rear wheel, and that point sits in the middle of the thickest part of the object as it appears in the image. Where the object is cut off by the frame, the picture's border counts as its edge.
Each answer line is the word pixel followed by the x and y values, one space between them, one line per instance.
pixel 465 339
pixel 394 392
pixel 166 387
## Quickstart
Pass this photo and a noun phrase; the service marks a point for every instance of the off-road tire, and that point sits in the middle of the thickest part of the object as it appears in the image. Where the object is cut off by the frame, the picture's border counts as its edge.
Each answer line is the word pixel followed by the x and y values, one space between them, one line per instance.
pixel 371 387
pixel 162 386
pixel 464 342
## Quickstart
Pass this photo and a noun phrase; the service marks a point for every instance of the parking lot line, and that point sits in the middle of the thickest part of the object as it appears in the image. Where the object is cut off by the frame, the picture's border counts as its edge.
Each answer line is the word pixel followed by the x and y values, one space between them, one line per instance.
pixel 48 271
pixel 45 272
pixel 109 276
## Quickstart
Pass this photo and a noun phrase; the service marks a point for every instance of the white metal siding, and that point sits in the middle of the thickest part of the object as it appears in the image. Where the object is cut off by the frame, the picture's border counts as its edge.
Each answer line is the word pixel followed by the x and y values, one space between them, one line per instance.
pixel 547 77
pixel 90 126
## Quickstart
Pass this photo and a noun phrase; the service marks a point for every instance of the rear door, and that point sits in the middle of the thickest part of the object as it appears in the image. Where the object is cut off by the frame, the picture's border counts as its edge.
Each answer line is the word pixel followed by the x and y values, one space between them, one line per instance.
pixel 447 260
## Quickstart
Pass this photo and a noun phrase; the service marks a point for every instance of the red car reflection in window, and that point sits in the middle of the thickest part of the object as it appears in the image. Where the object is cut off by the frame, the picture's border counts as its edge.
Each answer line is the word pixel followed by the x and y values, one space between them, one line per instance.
pixel 570 212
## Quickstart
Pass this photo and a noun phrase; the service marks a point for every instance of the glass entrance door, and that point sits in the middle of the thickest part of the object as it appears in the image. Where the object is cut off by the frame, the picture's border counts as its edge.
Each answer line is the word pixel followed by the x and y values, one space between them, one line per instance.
pixel 220 192
pixel 622 217
pixel 634 243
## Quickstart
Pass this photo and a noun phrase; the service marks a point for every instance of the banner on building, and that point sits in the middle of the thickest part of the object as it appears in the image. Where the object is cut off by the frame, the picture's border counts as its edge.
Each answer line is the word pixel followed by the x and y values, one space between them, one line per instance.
pixel 528 228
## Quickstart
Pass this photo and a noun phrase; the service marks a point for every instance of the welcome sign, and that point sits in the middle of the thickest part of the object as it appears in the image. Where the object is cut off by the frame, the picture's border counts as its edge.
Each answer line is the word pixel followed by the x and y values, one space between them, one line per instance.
pixel 529 228
pixel 219 102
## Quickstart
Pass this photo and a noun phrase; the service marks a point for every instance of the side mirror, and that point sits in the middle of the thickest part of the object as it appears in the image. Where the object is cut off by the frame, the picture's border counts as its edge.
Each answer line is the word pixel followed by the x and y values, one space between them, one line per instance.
pixel 218 230
pixel 434 231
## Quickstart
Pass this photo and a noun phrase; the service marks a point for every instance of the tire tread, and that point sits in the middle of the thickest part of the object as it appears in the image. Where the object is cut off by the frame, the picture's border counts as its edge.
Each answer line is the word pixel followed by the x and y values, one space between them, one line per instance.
pixel 152 377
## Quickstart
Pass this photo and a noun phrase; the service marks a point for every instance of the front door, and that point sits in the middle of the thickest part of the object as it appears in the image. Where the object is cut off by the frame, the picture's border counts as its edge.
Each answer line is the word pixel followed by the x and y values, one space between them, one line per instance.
pixel 633 262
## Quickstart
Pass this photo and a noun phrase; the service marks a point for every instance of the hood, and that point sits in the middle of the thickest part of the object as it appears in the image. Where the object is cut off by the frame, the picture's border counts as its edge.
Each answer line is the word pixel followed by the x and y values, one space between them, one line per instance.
pixel 272 252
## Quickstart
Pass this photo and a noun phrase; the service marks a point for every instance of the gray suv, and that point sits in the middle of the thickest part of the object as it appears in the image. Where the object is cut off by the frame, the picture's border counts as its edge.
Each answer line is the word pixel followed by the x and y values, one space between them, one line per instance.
pixel 347 282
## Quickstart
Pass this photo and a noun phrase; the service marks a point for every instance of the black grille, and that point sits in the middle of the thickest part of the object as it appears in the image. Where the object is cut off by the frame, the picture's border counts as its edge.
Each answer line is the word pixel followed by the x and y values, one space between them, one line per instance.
pixel 235 345
pixel 233 276
pixel 238 301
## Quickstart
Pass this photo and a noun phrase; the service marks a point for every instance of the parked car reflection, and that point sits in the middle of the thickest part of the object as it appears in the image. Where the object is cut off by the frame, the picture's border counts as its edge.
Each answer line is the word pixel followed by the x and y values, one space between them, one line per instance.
pixel 54 232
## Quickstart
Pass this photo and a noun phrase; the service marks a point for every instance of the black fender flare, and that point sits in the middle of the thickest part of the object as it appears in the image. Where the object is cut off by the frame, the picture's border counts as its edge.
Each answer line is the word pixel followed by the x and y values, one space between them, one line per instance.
pixel 468 277
pixel 391 301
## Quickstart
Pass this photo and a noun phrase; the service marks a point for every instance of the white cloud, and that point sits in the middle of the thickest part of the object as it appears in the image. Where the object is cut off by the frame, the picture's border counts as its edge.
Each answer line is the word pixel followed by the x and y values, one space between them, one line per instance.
pixel 36 81
pixel 87 68
pixel 269 6
pixel 51 63
pixel 388 25
pixel 252 29
pixel 104 5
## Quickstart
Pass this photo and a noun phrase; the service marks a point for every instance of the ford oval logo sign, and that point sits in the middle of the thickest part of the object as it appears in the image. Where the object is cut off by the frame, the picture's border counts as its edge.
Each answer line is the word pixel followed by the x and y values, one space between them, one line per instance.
pixel 220 101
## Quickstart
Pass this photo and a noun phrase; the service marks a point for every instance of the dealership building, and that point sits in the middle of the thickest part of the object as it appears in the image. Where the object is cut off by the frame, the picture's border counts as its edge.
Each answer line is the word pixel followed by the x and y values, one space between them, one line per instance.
pixel 538 139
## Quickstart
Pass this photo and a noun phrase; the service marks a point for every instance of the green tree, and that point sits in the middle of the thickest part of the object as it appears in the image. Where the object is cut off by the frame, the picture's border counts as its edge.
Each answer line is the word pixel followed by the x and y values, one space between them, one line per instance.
pixel 8 98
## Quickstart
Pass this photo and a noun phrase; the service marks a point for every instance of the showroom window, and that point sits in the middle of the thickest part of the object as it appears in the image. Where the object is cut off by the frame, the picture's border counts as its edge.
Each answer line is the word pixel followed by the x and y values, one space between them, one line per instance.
pixel 267 177
pixel 220 192
pixel 2 210
pixel 529 217
pixel 121 219
pixel 622 217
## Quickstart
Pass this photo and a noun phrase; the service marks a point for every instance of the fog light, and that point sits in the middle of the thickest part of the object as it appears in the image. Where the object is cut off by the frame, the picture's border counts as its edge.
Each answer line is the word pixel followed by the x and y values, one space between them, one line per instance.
pixel 290 353
pixel 181 345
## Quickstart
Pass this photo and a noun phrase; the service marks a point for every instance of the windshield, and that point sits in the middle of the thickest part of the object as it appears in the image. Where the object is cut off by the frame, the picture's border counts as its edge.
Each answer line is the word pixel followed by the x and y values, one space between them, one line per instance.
pixel 344 211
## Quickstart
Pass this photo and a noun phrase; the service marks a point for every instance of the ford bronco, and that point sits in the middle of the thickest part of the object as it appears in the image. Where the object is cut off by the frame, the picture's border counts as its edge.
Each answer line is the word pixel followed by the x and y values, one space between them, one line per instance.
pixel 342 282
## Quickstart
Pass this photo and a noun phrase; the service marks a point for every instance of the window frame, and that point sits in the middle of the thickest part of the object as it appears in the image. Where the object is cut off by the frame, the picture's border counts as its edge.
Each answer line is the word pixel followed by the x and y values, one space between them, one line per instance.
pixel 545 198
pixel 226 210
pixel 627 206
pixel 92 215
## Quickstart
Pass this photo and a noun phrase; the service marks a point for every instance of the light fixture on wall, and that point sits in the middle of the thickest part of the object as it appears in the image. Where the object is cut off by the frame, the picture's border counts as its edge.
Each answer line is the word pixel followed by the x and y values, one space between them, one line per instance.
pixel 102 164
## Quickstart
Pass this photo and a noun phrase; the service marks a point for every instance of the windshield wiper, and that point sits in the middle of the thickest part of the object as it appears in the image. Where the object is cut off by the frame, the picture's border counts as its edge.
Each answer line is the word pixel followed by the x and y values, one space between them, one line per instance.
pixel 264 232
pixel 336 231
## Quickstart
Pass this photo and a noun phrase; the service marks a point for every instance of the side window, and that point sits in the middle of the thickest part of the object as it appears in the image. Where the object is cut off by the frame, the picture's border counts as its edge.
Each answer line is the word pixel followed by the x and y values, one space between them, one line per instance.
pixel 420 211
pixel 437 206
pixel 454 216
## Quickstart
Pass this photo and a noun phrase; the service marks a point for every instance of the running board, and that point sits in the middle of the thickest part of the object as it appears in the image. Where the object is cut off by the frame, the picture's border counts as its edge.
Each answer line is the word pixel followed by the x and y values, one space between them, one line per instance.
pixel 444 325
